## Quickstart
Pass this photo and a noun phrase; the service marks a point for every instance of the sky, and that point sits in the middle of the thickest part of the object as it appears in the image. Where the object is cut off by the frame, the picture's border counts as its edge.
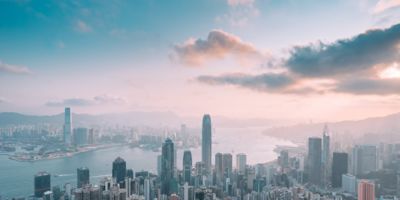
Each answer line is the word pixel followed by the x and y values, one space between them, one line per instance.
pixel 278 59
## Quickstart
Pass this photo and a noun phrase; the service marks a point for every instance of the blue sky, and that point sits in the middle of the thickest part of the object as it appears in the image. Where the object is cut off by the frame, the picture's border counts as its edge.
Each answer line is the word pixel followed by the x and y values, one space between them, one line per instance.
pixel 114 56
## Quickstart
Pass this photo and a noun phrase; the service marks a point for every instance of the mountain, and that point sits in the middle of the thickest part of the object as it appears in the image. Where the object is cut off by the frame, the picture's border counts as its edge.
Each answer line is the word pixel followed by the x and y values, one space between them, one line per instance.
pixel 370 130
pixel 136 118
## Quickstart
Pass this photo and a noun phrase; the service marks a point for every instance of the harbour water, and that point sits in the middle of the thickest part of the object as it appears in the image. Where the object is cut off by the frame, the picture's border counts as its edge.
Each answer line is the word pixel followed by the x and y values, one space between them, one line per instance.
pixel 16 178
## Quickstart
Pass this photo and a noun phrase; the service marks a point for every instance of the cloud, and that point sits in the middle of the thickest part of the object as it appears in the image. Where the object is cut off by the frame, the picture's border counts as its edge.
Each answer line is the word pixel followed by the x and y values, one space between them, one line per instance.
pixel 369 86
pixel 82 27
pixel 97 100
pixel 3 100
pixel 4 67
pixel 383 5
pixel 240 12
pixel 358 54
pixel 218 45
pixel 239 2
pixel 266 82
pixel 366 64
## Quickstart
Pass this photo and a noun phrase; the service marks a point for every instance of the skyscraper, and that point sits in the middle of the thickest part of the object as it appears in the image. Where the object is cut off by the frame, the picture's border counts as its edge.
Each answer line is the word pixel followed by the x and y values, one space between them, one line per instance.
pixel 187 166
pixel 41 184
pixel 82 176
pixel 219 168
pixel 339 167
pixel 206 143
pixel 314 160
pixel 364 159
pixel 67 129
pixel 241 160
pixel 119 171
pixel 80 136
pixel 227 164
pixel 167 167
pixel 366 190
pixel 326 159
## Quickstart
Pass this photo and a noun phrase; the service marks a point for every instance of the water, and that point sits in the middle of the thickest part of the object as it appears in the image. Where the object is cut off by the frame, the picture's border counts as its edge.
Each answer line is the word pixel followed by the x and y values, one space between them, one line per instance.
pixel 16 178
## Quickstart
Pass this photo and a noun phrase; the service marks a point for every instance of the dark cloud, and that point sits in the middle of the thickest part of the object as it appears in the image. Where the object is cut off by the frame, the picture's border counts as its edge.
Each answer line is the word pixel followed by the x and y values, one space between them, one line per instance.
pixel 268 82
pixel 218 45
pixel 358 54
pixel 369 86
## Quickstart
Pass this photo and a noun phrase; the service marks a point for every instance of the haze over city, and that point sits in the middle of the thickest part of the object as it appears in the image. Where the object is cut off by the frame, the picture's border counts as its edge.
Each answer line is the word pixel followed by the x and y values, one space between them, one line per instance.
pixel 199 100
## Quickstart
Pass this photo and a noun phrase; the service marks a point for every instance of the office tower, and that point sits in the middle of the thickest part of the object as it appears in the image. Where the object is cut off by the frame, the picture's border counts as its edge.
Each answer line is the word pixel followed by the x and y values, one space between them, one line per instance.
pixel 366 190
pixel 314 160
pixel 147 189
pixel 227 164
pixel 187 166
pixel 41 184
pixel 349 183
pixel 339 167
pixel 206 143
pixel 284 158
pixel 119 171
pixel 82 176
pixel 325 155
pixel 364 159
pixel 129 173
pixel 241 163
pixel 167 167
pixel 219 169
pixel 159 161
pixel 67 127
pixel 80 136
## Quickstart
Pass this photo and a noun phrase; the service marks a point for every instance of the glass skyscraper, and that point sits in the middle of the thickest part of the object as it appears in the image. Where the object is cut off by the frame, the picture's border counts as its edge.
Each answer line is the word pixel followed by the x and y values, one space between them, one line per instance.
pixel 206 143
pixel 187 166
pixel 83 176
pixel 41 184
pixel 119 171
pixel 167 167
pixel 67 130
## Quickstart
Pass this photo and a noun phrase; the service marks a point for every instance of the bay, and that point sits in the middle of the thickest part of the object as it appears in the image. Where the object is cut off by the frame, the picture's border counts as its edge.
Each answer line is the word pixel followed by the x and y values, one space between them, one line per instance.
pixel 16 178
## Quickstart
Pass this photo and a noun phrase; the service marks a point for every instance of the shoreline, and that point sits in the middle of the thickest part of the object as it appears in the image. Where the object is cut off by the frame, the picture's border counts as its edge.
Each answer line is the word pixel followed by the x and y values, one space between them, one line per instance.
pixel 58 155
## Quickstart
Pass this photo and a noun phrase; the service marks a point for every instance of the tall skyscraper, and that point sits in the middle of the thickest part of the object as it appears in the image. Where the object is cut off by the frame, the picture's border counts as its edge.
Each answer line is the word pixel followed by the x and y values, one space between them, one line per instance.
pixel 167 167
pixel 339 167
pixel 67 129
pixel 119 171
pixel 227 164
pixel 366 190
pixel 41 184
pixel 147 189
pixel 364 159
pixel 206 143
pixel 82 176
pixel 314 160
pixel 241 162
pixel 187 166
pixel 219 168
pixel 326 159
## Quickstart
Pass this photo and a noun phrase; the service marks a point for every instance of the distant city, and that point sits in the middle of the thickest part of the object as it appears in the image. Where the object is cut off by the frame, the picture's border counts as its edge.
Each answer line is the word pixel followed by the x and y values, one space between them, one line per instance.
pixel 319 170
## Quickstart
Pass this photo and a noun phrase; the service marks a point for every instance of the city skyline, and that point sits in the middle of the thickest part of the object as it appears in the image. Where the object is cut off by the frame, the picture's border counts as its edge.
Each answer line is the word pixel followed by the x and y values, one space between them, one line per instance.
pixel 241 54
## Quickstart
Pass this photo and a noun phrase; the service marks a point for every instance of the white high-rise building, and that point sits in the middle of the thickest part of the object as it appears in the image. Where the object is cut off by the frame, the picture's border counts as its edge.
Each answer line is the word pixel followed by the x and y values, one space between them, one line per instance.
pixel 349 184
pixel 67 130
